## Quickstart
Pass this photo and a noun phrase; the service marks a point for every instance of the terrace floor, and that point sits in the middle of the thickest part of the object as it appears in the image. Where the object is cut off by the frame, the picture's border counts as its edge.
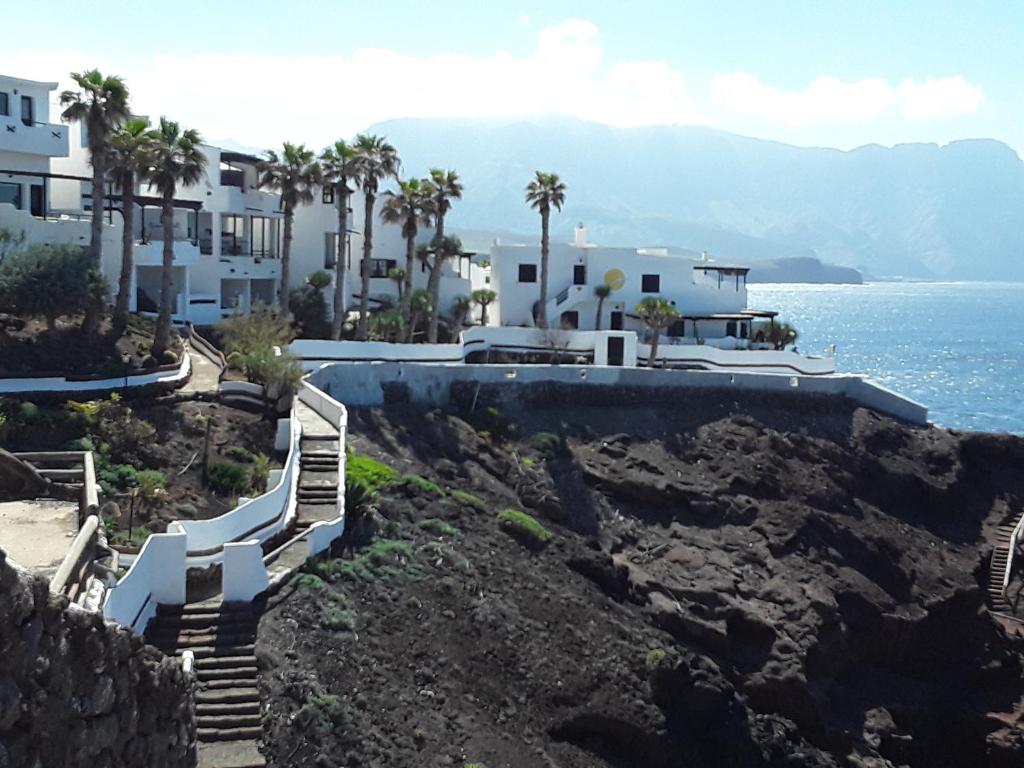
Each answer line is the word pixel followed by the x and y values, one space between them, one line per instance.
pixel 36 534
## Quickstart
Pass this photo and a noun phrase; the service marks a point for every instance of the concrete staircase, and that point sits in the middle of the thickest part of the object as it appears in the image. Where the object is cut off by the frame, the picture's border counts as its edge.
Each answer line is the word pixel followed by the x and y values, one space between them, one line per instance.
pixel 318 480
pixel 222 637
pixel 997 568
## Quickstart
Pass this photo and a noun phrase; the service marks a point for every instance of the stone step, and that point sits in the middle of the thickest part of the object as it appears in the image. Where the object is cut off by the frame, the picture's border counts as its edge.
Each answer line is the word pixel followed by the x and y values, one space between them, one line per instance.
pixel 229 734
pixel 219 662
pixel 207 651
pixel 316 500
pixel 204 608
pixel 202 620
pixel 234 674
pixel 230 754
pixel 181 642
pixel 230 722
pixel 218 684
pixel 207 709
pixel 216 696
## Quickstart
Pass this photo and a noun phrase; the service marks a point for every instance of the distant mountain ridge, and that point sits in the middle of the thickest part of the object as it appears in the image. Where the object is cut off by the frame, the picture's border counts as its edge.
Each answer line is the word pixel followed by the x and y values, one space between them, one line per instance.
pixel 915 210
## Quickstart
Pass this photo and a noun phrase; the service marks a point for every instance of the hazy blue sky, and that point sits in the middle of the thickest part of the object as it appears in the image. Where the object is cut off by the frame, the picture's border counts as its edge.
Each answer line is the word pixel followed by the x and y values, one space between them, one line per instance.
pixel 824 73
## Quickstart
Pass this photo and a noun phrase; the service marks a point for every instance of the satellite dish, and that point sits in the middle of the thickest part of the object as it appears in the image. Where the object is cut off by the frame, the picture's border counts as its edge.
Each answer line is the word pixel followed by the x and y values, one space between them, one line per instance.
pixel 614 279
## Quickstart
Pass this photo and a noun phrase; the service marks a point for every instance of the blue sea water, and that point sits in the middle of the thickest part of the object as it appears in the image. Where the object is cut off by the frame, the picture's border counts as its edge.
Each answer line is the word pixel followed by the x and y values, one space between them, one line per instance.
pixel 958 348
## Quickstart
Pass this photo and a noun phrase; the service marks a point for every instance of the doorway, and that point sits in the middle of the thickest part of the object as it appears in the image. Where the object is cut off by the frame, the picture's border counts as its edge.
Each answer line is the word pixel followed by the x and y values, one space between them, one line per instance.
pixel 616 321
pixel 616 350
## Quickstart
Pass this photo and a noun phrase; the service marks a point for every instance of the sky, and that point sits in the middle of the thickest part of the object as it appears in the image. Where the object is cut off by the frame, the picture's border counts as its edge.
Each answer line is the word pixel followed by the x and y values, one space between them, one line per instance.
pixel 821 73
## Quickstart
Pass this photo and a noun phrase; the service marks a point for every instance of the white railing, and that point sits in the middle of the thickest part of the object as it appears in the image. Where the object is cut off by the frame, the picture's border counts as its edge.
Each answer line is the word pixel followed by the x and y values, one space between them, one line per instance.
pixel 84 384
pixel 1018 531
pixel 334 413
pixel 157 576
pixel 712 357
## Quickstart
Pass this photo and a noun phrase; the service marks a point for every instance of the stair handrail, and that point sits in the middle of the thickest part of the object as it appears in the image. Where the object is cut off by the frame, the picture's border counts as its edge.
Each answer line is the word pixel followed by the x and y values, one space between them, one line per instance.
pixel 1018 531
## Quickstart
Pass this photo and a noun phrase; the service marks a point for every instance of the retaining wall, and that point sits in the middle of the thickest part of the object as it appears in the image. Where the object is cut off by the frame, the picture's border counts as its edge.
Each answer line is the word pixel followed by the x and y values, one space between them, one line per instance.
pixel 43 385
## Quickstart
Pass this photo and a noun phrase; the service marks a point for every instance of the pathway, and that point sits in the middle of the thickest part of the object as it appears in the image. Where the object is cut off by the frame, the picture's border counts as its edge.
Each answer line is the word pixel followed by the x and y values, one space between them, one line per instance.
pixel 997 569
pixel 37 533
pixel 205 375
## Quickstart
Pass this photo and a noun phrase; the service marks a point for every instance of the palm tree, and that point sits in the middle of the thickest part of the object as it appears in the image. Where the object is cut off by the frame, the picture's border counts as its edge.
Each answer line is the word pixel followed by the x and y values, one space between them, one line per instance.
pixel 174 158
pixel 781 334
pixel 397 276
pixel 543 193
pixel 377 160
pixel 129 145
pixel 410 207
pixel 657 314
pixel 421 303
pixel 444 188
pixel 484 297
pixel 339 165
pixel 294 174
pixel 460 308
pixel 602 292
pixel 100 104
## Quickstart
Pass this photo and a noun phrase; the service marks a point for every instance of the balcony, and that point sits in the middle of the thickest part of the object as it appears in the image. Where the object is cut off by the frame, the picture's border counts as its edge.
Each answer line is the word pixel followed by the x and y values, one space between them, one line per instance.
pixel 46 139
pixel 151 253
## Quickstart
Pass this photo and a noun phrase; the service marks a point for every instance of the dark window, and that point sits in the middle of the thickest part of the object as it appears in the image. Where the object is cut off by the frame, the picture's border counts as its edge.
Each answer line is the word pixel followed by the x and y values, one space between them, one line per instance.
pixel 37 197
pixel 579 274
pixel 527 273
pixel 616 321
pixel 330 250
pixel 650 283
pixel 328 195
pixel 730 328
pixel 571 320
pixel 262 241
pixel 616 350
pixel 27 111
pixel 10 193
pixel 678 328
pixel 381 267
pixel 744 333
pixel 5 104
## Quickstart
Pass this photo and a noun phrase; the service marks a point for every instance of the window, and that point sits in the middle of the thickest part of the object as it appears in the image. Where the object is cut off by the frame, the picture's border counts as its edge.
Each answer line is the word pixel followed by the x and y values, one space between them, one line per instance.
pixel 330 250
pixel 650 283
pixel 579 274
pixel 328 195
pixel 28 116
pixel 381 267
pixel 5 104
pixel 527 273
pixel 10 194
pixel 262 237
pixel 730 328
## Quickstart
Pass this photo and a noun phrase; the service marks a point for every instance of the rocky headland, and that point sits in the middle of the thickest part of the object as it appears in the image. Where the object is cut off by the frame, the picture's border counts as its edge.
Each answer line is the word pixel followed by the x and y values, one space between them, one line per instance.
pixel 729 580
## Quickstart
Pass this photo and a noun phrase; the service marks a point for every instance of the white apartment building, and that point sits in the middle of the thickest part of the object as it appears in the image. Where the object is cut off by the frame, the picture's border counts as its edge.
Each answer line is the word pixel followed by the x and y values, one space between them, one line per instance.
pixel 316 247
pixel 711 297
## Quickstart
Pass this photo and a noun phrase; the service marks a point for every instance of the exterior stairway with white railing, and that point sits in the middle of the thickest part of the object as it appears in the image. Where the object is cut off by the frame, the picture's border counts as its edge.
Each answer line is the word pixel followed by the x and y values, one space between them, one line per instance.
pixel 1001 565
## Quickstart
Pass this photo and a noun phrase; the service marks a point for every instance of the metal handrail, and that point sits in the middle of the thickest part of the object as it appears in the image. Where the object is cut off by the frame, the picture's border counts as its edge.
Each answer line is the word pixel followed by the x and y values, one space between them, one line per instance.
pixel 1018 530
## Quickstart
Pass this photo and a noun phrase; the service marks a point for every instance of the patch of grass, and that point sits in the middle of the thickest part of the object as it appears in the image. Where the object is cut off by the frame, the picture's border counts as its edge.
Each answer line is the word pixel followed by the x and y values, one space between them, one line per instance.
pixel 368 472
pixel 422 485
pixel 383 558
pixel 308 581
pixel 238 453
pixel 549 445
pixel 438 527
pixel 528 461
pixel 228 479
pixel 654 659
pixel 469 500
pixel 524 527
pixel 336 618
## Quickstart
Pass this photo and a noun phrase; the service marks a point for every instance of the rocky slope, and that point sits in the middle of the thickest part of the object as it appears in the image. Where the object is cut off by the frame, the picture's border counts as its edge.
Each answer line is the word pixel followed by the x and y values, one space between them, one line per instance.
pixel 729 582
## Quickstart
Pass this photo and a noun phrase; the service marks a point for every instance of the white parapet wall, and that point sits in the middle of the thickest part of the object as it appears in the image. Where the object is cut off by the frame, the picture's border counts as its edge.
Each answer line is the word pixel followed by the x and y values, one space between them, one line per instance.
pixel 157 576
pixel 244 574
pixel 362 384
pixel 61 384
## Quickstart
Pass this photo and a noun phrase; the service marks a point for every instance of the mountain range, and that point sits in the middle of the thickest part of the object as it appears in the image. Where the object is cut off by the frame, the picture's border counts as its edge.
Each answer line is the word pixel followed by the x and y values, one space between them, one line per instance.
pixel 914 210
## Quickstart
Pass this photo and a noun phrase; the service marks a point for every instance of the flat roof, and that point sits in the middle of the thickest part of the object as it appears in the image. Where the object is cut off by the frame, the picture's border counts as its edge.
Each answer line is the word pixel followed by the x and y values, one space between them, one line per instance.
pixel 721 267
pixel 760 312
pixel 229 156
pixel 24 81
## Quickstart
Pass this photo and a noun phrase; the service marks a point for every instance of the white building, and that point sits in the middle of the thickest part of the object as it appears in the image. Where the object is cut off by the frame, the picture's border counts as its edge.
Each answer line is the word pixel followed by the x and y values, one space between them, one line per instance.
pixel 711 297
pixel 315 247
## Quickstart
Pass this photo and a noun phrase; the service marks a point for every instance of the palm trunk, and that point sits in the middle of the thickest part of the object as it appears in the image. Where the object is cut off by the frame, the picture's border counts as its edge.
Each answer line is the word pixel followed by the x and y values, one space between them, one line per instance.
pixel 654 348
pixel 286 255
pixel 597 320
pixel 364 300
pixel 542 310
pixel 434 281
pixel 124 284
pixel 339 268
pixel 96 232
pixel 483 314
pixel 406 294
pixel 163 320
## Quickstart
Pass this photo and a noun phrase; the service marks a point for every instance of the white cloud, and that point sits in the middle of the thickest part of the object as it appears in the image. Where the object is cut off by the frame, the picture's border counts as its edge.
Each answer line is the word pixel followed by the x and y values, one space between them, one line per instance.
pixel 938 98
pixel 825 99
pixel 830 99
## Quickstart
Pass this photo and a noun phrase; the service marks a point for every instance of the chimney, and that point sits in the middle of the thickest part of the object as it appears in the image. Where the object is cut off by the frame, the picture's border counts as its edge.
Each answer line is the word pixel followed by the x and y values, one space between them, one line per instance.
pixel 580 239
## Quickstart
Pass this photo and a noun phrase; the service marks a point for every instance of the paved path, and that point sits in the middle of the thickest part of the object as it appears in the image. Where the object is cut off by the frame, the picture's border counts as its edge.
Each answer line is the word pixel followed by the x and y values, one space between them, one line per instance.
pixel 205 375
pixel 36 534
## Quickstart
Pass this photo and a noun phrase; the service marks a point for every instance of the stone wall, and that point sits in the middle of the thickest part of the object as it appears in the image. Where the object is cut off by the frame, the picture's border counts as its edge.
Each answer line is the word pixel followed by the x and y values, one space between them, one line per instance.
pixel 76 691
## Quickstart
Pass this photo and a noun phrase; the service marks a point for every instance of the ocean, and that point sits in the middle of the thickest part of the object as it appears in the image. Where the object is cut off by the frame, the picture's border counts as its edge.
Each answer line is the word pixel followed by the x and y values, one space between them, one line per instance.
pixel 957 348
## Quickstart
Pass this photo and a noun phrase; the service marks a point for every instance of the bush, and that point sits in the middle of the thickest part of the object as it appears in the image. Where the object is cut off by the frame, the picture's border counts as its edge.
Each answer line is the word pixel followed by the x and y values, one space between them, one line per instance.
pixel 149 362
pixel 469 500
pixel 438 527
pixel 228 478
pixel 654 659
pixel 337 619
pixel 168 357
pixel 151 483
pixel 417 484
pixel 308 581
pixel 523 527
pixel 259 474
pixel 549 445
pixel 371 474
pixel 319 279
pixel 309 309
pixel 114 478
pixel 50 281
pixel 238 453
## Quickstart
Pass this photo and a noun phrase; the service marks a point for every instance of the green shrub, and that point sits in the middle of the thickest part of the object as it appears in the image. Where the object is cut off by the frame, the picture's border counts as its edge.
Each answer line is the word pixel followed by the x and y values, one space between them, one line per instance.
pixel 549 445
pixel 654 659
pixel 438 527
pixel 259 474
pixel 149 362
pixel 227 478
pixel 168 357
pixel 319 279
pixel 367 472
pixel 238 453
pixel 523 527
pixel 469 500
pixel 419 484
pixel 150 483
pixel 335 618
pixel 308 581
pixel 50 281
pixel 114 478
